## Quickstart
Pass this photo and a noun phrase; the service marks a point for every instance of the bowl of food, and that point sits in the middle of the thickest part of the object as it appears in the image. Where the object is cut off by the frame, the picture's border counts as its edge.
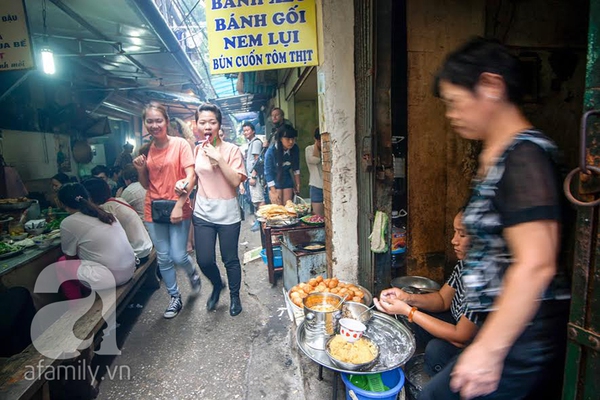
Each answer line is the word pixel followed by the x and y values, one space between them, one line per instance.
pixel 35 231
pixel 313 220
pixel 357 311
pixel 351 329
pixel 18 236
pixel 35 227
pixel 357 356
pixel 42 241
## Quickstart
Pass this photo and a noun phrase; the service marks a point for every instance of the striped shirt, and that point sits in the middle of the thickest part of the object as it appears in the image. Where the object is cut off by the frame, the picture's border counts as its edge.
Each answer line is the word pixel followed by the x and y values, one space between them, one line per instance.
pixel 458 307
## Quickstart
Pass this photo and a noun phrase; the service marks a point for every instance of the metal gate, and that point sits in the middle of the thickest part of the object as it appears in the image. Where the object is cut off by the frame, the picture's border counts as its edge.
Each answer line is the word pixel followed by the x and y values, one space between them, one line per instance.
pixel 582 368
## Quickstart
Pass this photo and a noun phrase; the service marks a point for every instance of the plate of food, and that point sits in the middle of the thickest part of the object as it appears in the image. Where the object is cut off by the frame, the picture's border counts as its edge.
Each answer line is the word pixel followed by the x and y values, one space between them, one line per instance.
pixel 9 250
pixel 315 220
pixel 275 211
pixel 283 221
pixel 360 355
pixel 311 246
pixel 15 204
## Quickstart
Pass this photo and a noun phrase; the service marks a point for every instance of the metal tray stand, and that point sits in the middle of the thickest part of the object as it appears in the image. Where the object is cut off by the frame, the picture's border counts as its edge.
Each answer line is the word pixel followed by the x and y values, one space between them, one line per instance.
pixel 395 341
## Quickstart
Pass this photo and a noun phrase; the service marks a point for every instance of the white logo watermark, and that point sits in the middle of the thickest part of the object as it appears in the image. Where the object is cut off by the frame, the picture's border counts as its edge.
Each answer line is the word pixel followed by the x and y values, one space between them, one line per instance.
pixel 76 371
pixel 54 327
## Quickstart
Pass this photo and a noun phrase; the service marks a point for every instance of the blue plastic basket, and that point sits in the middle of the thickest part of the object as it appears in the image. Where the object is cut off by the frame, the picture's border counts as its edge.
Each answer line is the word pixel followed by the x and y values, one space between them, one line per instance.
pixel 393 379
pixel 277 258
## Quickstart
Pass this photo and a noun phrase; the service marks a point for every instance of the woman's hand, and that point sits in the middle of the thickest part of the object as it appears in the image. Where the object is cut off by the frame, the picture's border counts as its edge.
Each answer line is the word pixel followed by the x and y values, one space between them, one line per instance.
pixel 476 372
pixel 394 293
pixel 274 195
pixel 242 189
pixel 177 214
pixel 212 153
pixel 139 162
pixel 181 187
pixel 392 305
pixel 297 189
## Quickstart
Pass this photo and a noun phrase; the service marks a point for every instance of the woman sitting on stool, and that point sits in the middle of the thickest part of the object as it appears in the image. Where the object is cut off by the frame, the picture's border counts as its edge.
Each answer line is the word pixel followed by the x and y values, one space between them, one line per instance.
pixel 448 326
pixel 94 243
pixel 130 221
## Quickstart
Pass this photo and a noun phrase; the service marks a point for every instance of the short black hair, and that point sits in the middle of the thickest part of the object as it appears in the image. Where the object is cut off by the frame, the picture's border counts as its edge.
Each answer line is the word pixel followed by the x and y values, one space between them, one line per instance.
pixel 115 170
pixel 249 125
pixel 62 178
pixel 317 134
pixel 464 66
pixel 98 169
pixel 286 131
pixel 280 111
pixel 210 108
pixel 98 189
pixel 130 173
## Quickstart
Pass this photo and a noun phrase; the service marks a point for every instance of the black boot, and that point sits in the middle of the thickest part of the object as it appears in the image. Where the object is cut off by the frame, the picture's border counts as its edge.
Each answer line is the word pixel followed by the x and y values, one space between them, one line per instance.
pixel 236 305
pixel 211 304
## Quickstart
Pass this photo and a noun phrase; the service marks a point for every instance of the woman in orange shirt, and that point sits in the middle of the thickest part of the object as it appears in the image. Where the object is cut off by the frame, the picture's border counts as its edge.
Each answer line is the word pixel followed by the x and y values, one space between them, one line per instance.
pixel 169 164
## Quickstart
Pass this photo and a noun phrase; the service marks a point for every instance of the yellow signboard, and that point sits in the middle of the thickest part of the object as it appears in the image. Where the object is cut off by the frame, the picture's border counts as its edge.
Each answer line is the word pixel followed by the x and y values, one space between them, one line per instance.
pixel 256 35
pixel 15 44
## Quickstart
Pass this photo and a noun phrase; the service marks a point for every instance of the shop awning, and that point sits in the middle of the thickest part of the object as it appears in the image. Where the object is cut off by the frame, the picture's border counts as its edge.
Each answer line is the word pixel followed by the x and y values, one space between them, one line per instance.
pixel 117 55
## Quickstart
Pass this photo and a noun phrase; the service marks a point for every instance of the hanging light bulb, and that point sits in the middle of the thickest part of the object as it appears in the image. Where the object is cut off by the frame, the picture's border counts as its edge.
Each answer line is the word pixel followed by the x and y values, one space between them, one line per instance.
pixel 47 54
pixel 48 60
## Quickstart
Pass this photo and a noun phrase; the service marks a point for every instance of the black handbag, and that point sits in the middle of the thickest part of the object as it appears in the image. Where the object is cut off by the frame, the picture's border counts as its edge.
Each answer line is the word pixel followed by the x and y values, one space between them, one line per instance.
pixel 161 210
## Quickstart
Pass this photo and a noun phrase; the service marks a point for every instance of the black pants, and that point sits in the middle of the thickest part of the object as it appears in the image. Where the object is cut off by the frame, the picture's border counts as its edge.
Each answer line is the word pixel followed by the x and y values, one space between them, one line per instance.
pixel 534 365
pixel 438 352
pixel 205 239
pixel 17 312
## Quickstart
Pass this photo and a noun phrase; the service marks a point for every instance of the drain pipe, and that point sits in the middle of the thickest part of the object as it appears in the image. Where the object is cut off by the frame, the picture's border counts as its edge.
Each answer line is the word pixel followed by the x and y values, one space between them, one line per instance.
pixel 150 13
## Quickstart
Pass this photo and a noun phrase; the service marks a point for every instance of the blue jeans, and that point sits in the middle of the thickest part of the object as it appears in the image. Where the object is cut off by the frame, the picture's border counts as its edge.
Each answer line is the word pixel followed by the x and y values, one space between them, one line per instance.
pixel 170 242
pixel 316 194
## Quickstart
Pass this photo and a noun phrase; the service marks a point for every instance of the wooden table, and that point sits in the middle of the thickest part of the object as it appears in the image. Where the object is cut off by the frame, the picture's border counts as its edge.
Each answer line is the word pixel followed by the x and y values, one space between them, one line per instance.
pixel 267 233
pixel 23 270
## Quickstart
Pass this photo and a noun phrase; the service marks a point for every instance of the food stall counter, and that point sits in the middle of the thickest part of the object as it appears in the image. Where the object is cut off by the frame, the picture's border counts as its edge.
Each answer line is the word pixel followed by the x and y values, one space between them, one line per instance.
pixel 23 269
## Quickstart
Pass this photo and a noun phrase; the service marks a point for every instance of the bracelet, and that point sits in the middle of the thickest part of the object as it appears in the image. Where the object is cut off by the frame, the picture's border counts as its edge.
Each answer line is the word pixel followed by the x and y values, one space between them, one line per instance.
pixel 411 313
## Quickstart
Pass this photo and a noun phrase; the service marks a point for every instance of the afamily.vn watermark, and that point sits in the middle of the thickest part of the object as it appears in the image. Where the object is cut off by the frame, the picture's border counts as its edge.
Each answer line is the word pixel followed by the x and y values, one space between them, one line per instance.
pixel 79 370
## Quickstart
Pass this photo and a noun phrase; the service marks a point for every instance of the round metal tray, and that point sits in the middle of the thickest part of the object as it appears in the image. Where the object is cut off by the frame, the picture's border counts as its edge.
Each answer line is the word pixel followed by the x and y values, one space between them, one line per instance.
pixel 282 223
pixel 368 298
pixel 11 254
pixel 422 284
pixel 395 341
pixel 15 206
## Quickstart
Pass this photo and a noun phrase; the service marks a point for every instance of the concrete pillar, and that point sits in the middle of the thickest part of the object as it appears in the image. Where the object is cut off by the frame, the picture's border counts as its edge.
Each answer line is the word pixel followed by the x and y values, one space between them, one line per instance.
pixel 336 95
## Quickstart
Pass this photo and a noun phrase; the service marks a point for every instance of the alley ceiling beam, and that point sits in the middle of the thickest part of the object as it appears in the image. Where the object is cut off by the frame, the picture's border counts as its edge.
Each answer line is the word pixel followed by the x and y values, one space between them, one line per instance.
pixel 81 21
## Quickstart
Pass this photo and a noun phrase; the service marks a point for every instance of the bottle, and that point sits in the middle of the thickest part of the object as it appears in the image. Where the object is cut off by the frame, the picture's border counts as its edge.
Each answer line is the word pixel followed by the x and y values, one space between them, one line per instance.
pixel 398 264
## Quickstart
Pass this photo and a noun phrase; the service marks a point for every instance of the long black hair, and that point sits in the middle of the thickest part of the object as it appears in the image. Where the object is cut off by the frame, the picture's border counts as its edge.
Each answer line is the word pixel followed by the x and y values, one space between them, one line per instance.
pixel 98 190
pixel 284 131
pixel 75 196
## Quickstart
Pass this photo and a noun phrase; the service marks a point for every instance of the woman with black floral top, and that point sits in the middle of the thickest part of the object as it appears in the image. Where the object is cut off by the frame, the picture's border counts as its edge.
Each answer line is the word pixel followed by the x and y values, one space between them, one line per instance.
pixel 513 217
